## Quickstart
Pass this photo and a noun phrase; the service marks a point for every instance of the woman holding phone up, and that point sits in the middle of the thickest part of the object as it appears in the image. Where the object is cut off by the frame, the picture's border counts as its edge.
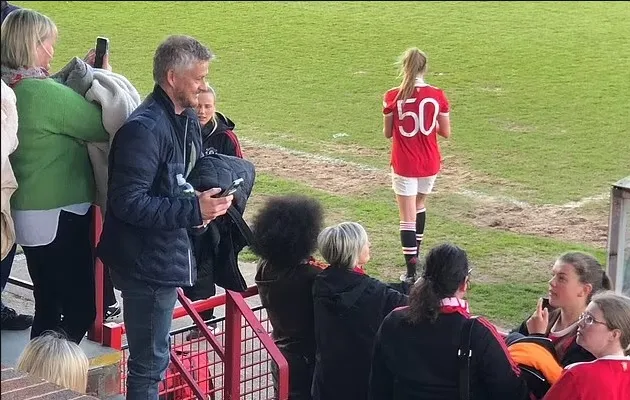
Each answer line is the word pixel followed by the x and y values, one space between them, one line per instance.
pixel 52 206
pixel 576 277
pixel 414 113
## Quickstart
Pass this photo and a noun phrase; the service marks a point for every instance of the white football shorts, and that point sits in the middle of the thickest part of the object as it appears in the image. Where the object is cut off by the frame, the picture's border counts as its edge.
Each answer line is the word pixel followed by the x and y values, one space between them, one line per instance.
pixel 405 186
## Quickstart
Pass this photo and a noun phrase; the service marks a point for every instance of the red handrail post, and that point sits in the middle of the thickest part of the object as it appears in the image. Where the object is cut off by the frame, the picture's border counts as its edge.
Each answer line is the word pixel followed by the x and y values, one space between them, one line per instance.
pixel 232 349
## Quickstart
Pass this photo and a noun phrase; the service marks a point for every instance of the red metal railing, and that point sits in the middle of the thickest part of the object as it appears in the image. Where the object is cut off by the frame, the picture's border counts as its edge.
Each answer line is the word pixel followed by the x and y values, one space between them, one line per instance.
pixel 236 363
pixel 233 361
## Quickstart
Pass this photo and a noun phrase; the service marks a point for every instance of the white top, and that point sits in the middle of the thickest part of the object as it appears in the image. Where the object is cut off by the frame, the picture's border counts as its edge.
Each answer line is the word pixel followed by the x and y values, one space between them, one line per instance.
pixel 564 332
pixel 39 227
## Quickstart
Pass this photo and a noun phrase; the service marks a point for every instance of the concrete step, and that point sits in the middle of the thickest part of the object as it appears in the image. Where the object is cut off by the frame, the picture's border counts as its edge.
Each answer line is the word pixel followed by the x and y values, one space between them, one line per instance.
pixel 20 386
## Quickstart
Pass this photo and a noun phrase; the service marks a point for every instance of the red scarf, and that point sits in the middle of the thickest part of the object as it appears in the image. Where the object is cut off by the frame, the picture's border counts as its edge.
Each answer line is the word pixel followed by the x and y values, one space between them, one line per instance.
pixel 455 305
pixel 450 305
pixel 13 76
pixel 322 265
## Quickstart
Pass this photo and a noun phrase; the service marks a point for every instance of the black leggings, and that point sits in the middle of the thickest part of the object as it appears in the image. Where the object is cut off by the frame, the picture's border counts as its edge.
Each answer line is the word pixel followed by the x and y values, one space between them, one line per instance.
pixel 63 279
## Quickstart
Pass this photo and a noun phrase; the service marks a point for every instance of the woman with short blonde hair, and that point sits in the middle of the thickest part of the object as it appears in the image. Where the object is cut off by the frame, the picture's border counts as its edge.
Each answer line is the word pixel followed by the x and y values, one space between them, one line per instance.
pixel 341 245
pixel 348 307
pixel 57 360
pixel 23 38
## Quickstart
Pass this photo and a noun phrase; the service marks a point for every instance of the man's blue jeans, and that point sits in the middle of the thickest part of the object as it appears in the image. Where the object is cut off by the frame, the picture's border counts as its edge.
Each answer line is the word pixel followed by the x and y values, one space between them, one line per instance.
pixel 148 312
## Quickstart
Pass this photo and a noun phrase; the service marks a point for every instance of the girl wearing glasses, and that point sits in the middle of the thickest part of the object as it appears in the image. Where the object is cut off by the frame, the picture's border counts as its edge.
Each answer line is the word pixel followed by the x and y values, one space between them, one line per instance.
pixel 576 278
pixel 603 330
pixel 416 347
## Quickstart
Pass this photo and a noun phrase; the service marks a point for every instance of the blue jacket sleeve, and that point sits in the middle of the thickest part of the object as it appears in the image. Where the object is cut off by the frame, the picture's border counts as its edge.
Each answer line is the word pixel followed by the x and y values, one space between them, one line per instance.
pixel 134 164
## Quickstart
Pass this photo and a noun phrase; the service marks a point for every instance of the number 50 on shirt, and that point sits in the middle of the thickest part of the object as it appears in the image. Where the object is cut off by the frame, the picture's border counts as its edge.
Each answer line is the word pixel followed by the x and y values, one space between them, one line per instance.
pixel 418 116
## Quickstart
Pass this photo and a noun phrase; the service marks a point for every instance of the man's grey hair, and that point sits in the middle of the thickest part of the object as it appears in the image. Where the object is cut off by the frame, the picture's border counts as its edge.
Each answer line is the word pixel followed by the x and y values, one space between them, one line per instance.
pixel 341 245
pixel 178 52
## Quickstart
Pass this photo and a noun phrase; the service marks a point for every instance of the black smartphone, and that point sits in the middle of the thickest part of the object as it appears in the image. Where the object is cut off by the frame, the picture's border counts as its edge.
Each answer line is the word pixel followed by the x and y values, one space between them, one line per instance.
pixel 232 188
pixel 545 303
pixel 102 48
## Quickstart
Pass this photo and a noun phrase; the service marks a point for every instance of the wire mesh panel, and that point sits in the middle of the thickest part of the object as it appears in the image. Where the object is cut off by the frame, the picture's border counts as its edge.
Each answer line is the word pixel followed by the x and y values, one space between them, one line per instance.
pixel 256 364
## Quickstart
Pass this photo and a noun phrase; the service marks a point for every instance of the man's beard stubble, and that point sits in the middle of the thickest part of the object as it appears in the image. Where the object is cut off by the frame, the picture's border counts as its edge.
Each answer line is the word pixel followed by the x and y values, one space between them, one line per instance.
pixel 185 100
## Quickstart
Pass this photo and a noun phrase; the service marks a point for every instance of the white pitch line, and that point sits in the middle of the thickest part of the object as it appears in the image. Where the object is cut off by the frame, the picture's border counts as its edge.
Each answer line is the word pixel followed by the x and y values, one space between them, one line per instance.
pixel 473 194
pixel 586 200
pixel 312 156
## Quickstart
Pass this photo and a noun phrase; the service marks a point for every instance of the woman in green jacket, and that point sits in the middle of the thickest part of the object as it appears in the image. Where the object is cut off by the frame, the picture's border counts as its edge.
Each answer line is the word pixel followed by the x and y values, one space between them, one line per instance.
pixel 52 207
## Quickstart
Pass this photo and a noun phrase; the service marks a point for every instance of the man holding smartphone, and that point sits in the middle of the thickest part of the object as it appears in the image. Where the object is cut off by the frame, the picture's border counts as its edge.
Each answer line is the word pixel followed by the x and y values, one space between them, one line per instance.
pixel 145 240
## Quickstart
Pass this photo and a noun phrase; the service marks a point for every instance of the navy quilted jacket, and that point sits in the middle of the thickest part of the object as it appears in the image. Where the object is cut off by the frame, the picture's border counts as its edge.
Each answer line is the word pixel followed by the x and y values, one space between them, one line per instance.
pixel 145 233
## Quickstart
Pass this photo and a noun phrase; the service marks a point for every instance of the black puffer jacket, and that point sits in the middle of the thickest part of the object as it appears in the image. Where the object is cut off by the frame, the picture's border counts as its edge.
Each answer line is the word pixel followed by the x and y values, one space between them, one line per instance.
pixel 145 233
pixel 219 137
pixel 216 250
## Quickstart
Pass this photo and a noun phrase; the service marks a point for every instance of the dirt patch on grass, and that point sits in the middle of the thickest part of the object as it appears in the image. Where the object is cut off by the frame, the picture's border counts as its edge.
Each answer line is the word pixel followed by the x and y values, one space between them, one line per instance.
pixel 571 224
pixel 587 225
pixel 329 175
pixel 568 224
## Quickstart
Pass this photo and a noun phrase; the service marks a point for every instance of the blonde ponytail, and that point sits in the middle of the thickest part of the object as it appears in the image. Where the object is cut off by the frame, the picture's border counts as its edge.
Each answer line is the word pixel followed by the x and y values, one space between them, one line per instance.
pixel 412 63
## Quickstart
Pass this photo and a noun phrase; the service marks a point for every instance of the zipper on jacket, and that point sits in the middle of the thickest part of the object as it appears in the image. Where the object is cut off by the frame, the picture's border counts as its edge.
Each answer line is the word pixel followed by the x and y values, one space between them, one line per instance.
pixel 189 266
pixel 186 172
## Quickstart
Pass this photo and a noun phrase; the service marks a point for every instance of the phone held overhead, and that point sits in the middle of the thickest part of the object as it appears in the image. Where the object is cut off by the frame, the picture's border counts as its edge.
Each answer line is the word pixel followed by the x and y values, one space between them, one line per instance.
pixel 102 48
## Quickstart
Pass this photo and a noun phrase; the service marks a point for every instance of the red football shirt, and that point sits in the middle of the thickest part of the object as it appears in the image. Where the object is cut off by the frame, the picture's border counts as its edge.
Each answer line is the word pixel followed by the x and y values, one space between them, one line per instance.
pixel 415 149
pixel 605 378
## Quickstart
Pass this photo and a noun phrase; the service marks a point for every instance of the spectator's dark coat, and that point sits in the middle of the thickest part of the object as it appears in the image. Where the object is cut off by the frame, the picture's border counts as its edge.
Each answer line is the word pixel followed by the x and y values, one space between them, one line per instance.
pixel 219 137
pixel 348 309
pixel 5 9
pixel 420 362
pixel 286 294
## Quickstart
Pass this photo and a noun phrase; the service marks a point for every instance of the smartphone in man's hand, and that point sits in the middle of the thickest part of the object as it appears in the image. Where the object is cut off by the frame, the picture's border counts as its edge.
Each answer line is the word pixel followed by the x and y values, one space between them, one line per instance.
pixel 102 48
pixel 232 188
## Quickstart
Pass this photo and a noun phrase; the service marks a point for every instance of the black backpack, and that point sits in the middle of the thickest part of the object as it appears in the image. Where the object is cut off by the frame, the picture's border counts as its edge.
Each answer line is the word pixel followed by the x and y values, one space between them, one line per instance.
pixel 537 383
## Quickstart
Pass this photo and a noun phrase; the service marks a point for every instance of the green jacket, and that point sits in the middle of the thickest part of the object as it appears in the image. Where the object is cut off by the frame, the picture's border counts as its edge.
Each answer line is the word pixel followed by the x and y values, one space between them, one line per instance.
pixel 51 163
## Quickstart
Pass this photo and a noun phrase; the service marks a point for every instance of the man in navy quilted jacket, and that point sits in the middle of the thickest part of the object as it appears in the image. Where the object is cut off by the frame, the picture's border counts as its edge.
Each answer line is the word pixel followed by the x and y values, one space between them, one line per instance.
pixel 145 240
pixel 5 9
